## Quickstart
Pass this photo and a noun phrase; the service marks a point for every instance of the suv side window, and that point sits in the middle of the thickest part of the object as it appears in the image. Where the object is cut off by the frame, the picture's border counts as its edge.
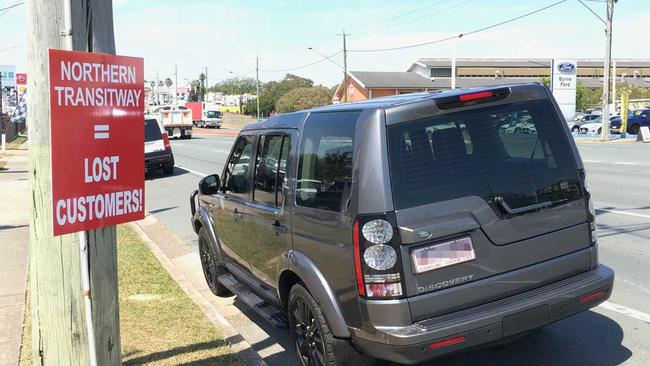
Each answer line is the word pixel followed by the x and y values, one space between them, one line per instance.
pixel 325 167
pixel 237 173
pixel 270 169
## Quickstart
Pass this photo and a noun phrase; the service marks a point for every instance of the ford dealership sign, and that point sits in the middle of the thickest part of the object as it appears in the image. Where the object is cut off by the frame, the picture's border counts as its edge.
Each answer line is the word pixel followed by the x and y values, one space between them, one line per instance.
pixel 563 85
pixel 566 68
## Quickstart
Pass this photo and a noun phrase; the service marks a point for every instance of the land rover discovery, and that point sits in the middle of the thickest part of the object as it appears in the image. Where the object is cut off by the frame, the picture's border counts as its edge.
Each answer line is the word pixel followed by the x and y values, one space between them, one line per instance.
pixel 407 227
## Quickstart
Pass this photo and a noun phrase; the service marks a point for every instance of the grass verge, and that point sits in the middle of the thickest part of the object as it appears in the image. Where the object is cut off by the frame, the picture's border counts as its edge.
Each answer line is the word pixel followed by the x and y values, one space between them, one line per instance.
pixel 159 323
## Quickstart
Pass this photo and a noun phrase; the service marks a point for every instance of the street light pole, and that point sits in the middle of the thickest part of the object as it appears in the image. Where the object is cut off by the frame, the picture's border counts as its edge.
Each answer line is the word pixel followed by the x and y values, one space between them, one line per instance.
pixel 606 76
pixel 257 84
pixel 345 65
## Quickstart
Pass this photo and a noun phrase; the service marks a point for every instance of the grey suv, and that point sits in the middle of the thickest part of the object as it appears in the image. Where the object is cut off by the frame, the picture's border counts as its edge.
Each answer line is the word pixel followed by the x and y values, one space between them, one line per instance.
pixel 407 227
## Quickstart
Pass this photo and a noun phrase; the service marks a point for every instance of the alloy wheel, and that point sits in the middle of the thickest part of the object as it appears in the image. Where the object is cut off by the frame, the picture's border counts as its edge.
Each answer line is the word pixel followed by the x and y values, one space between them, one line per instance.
pixel 207 263
pixel 307 335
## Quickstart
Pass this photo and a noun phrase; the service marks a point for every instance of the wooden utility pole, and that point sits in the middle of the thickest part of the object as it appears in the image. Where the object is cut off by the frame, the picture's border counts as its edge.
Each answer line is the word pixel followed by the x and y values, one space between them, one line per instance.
pixel 59 335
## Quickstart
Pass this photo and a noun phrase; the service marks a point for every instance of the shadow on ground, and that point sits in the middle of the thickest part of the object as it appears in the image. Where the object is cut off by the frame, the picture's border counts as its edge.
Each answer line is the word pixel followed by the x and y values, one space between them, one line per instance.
pixel 588 338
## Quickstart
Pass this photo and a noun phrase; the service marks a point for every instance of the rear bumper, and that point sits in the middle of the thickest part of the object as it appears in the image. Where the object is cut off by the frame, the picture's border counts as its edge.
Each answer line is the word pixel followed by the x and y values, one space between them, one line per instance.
pixel 488 322
pixel 157 159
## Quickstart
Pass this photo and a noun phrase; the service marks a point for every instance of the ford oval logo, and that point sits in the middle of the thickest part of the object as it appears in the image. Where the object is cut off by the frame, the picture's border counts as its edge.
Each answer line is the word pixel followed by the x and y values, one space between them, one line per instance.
pixel 566 67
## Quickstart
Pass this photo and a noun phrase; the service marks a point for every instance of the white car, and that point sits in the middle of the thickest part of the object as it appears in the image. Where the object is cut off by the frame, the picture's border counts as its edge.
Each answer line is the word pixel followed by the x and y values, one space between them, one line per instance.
pixel 594 128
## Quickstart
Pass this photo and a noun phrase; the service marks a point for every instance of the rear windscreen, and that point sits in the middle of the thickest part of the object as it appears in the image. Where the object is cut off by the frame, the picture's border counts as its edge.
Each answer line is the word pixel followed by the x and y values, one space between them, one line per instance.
pixel 516 152
pixel 151 130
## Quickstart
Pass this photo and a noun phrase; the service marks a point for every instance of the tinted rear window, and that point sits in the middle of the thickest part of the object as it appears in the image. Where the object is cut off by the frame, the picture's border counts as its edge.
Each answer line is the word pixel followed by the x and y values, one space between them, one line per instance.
pixel 518 152
pixel 151 130
pixel 325 168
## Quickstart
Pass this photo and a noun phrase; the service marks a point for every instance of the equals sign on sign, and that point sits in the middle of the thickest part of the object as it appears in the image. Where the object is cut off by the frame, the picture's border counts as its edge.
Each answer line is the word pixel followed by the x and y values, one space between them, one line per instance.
pixel 101 132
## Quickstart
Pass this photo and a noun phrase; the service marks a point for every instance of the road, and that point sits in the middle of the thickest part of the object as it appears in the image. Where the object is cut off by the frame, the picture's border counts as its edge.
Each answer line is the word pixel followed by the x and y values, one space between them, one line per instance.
pixel 614 333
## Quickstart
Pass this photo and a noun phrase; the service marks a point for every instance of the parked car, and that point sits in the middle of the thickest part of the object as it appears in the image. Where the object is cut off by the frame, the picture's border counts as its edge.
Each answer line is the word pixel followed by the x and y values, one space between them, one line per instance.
pixel 157 150
pixel 592 127
pixel 591 117
pixel 575 124
pixel 635 120
pixel 404 228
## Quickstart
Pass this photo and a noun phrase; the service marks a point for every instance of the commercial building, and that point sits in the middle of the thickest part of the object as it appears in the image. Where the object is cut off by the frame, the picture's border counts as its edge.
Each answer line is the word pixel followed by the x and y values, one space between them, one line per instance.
pixel 427 74
pixel 472 72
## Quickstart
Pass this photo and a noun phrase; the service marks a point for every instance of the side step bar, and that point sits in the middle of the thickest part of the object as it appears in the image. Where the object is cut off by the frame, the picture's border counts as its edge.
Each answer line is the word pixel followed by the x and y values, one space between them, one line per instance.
pixel 262 307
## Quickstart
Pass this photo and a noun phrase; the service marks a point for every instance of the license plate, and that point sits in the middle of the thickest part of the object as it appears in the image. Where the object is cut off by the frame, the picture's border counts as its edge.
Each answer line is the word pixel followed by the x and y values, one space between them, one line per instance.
pixel 442 255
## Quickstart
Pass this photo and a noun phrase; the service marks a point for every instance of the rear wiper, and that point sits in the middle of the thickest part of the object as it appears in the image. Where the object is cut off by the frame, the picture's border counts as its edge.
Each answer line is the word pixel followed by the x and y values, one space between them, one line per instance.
pixel 514 211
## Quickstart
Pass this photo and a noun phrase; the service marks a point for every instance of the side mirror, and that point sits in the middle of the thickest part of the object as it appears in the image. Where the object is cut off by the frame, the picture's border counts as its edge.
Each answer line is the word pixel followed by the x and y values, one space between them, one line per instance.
pixel 210 184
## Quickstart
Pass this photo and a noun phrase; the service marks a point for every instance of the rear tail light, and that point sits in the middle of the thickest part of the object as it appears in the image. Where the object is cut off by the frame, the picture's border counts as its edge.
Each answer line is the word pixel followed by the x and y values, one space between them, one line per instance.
pixel 166 141
pixel 463 100
pixel 377 263
pixel 475 96
pixel 447 342
pixel 592 297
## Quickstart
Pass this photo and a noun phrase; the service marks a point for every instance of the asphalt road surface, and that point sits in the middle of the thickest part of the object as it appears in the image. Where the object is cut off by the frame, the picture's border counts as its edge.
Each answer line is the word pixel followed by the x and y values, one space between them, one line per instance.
pixel 617 332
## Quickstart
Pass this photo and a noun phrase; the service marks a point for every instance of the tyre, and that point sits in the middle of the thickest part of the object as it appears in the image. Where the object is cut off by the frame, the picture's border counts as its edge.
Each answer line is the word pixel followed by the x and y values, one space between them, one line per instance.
pixel 311 336
pixel 633 130
pixel 575 129
pixel 218 127
pixel 168 168
pixel 600 130
pixel 517 131
pixel 210 266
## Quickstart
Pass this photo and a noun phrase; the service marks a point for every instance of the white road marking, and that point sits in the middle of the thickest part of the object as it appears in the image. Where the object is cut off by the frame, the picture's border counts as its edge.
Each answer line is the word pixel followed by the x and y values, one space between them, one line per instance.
pixel 626 311
pixel 191 171
pixel 630 163
pixel 624 213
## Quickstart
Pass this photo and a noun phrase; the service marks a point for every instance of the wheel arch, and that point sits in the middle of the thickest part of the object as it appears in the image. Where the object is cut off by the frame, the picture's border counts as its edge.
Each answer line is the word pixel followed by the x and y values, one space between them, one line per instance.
pixel 202 220
pixel 301 269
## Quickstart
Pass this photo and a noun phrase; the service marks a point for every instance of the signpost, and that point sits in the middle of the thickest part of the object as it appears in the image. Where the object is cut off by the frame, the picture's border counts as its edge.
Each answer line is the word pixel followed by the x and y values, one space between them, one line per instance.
pixel 563 85
pixel 97 113
pixel 97 149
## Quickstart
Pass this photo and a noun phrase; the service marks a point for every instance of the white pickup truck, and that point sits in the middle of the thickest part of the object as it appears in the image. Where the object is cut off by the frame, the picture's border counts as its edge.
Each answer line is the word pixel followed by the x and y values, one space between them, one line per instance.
pixel 177 120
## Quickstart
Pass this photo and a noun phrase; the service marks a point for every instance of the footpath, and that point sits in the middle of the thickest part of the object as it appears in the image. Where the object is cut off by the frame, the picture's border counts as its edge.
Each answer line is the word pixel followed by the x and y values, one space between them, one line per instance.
pixel 14 244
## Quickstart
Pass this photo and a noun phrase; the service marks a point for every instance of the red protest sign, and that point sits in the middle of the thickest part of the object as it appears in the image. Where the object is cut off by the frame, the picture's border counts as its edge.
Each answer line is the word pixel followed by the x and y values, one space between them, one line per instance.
pixel 97 132
pixel 21 79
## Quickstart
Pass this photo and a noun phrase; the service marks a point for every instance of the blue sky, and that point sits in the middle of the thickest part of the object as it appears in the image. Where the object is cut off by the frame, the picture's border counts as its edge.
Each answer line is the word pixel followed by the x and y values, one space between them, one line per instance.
pixel 226 35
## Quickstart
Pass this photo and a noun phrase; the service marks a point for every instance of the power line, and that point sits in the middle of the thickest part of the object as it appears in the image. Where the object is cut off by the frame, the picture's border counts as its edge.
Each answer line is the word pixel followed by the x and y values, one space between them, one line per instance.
pixel 11 6
pixel 390 19
pixel 592 12
pixel 302 66
pixel 461 34
pixel 12 47
pixel 427 15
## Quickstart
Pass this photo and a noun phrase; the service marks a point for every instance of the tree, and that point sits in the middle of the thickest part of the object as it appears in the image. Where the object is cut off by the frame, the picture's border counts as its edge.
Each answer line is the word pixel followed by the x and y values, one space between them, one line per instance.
pixel 168 82
pixel 197 89
pixel 235 86
pixel 152 83
pixel 303 98
pixel 160 83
